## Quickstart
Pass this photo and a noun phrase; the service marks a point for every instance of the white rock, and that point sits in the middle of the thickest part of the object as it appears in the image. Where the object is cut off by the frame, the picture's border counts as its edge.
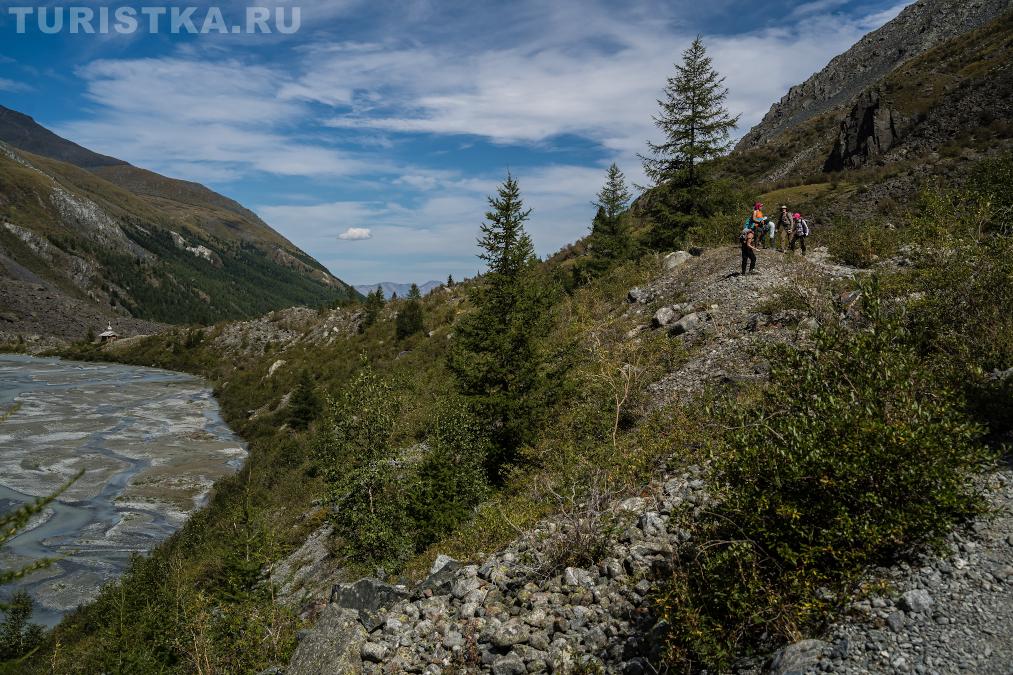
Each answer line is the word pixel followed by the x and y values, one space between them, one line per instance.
pixel 676 259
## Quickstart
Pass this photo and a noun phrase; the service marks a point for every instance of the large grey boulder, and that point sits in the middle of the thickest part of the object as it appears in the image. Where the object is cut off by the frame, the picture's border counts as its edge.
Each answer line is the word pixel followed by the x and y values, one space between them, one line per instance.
pixel 688 323
pixel 917 600
pixel 367 597
pixel 676 259
pixel 333 646
pixel 797 658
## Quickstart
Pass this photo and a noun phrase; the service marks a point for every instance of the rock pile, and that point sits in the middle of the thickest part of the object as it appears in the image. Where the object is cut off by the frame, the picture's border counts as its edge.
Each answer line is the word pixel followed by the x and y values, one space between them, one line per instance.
pixel 520 611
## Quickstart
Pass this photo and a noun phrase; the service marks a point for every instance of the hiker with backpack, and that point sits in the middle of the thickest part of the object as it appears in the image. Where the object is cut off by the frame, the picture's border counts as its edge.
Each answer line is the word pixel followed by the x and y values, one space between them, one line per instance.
pixel 800 232
pixel 785 229
pixel 746 240
pixel 759 223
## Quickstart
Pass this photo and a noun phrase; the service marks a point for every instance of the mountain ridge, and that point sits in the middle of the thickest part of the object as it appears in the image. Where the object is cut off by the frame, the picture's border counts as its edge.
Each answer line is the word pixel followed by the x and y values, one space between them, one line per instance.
pixel 389 288
pixel 918 28
pixel 94 229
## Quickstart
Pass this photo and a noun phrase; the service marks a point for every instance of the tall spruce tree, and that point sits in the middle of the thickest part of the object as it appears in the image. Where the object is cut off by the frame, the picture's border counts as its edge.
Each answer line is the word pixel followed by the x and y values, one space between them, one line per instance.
pixel 610 240
pixel 495 356
pixel 373 306
pixel 304 405
pixel 409 318
pixel 693 119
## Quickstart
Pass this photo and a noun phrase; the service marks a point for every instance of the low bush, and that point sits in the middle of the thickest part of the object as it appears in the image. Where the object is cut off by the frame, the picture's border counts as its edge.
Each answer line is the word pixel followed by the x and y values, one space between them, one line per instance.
pixel 855 455
pixel 859 244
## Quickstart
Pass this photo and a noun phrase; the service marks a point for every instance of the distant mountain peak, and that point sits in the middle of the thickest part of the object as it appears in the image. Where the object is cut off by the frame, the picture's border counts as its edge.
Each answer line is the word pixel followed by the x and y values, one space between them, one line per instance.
pixel 391 287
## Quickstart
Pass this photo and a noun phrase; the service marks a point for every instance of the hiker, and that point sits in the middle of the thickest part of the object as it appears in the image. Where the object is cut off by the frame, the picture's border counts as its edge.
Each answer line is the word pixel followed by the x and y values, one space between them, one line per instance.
pixel 748 249
pixel 785 228
pixel 758 221
pixel 801 231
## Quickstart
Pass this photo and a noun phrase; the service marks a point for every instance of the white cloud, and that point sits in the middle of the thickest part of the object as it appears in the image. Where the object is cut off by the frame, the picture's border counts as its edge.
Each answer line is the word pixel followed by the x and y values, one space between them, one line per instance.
pixel 552 82
pixel 12 86
pixel 216 120
pixel 356 234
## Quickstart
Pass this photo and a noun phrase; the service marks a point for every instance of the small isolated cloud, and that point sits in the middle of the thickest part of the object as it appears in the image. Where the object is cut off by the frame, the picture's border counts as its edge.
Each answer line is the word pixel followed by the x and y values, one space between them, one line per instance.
pixel 356 234
pixel 11 85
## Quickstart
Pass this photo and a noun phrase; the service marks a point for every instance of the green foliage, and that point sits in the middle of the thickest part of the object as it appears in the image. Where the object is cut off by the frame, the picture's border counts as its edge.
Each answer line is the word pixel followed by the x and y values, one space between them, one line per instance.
pixel 707 212
pixel 409 317
pixel 495 356
pixel 451 479
pixel 373 306
pixel 304 405
pixel 390 499
pixel 963 323
pixel 693 119
pixel 368 483
pixel 610 241
pixel 861 244
pixel 18 635
pixel 853 456
pixel 696 128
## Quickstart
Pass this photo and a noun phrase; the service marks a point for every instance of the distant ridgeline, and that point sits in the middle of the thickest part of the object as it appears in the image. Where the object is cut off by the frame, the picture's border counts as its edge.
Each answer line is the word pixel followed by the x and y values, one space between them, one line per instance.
pixel 95 232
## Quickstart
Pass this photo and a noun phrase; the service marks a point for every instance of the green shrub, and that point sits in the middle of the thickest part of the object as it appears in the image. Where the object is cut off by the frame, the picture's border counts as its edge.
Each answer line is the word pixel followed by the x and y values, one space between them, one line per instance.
pixel 18 636
pixel 963 323
pixel 860 244
pixel 854 456
pixel 451 478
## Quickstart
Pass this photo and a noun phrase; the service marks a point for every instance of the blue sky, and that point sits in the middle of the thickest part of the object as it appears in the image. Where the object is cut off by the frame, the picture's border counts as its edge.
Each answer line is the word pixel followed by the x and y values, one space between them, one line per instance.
pixel 399 118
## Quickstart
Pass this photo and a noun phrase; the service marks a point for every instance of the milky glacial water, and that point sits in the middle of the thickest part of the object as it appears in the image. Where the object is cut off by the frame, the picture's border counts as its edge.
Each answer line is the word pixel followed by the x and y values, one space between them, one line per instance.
pixel 150 442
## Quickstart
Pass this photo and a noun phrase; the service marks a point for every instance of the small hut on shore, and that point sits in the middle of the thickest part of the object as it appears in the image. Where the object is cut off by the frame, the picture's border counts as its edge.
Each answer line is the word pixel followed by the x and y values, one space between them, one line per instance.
pixel 108 335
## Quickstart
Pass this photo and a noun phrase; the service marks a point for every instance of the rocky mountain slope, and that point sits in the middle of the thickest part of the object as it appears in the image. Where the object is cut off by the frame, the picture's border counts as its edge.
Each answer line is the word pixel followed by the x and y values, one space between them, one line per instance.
pixel 108 240
pixel 918 28
pixel 938 74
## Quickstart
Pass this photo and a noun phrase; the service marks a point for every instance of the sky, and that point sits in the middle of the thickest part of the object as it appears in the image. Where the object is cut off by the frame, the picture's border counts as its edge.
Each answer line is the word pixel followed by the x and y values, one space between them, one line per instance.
pixel 371 133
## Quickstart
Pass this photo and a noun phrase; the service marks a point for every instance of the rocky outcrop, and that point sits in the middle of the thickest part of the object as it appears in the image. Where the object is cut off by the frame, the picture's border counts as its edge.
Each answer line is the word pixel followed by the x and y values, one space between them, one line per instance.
pixel 919 27
pixel 333 646
pixel 869 130
pixel 521 610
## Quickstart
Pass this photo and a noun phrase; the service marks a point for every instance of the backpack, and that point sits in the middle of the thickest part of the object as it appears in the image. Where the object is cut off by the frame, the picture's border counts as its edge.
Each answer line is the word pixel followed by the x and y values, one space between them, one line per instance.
pixel 742 235
pixel 803 227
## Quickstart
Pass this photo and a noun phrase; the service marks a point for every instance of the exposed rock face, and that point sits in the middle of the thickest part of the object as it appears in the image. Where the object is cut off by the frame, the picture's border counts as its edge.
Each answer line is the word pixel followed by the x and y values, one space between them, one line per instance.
pixel 920 27
pixel 334 646
pixel 870 130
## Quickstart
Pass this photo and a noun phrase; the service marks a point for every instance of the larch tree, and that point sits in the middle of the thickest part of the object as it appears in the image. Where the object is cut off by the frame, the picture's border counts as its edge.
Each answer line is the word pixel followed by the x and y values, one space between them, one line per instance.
pixel 693 119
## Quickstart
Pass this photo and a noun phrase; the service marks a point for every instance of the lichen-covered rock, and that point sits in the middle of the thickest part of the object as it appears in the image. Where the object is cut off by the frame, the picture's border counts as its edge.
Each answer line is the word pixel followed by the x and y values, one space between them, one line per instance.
pixel 333 646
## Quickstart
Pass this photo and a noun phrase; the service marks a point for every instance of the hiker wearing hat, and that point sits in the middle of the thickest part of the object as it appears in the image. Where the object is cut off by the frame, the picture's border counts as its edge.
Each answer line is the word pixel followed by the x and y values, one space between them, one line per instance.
pixel 801 231
pixel 759 222
pixel 785 228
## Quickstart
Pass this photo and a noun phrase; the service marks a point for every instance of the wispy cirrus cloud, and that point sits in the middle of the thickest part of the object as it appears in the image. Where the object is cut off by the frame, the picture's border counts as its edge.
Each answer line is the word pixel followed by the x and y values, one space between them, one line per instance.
pixel 224 116
pixel 13 86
